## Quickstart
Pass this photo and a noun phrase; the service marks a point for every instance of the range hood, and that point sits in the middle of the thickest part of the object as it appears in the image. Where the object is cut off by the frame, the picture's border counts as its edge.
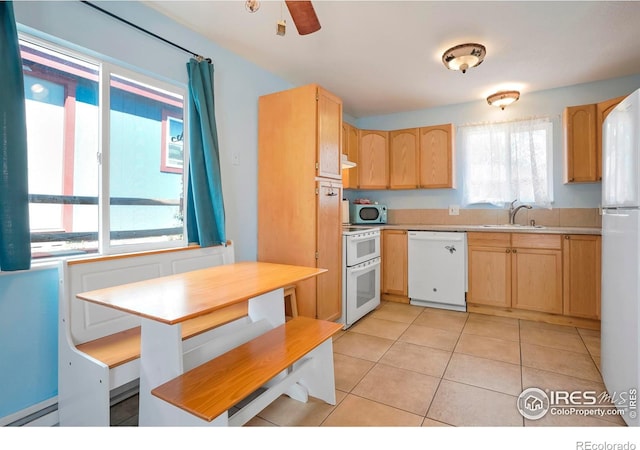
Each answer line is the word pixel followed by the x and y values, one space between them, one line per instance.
pixel 346 164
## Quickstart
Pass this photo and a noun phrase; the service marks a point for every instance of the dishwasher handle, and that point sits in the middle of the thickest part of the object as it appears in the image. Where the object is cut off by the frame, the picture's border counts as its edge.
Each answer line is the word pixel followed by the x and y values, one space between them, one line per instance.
pixel 430 237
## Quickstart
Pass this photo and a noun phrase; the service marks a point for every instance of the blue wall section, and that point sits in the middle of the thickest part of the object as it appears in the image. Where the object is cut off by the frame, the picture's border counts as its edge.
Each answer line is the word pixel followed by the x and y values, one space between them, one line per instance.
pixel 28 339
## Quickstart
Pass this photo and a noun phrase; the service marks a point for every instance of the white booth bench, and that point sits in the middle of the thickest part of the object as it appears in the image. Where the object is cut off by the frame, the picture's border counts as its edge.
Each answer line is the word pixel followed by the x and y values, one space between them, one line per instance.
pixel 99 348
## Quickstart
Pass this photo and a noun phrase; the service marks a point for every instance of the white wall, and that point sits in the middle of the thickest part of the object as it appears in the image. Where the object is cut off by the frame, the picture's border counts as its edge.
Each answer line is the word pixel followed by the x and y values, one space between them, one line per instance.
pixel 535 104
pixel 238 84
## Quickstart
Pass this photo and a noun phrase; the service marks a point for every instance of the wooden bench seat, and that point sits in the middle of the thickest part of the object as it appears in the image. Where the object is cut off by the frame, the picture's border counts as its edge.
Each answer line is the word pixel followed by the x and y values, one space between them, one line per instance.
pixel 122 347
pixel 99 348
pixel 214 387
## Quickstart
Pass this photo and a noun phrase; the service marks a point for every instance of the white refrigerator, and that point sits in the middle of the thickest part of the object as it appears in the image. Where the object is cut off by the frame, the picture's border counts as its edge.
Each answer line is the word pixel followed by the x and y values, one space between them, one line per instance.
pixel 620 318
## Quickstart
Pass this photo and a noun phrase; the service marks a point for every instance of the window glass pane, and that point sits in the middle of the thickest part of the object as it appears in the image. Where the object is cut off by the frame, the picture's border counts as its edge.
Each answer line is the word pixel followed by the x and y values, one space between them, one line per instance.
pixel 61 94
pixel 146 163
pixel 507 161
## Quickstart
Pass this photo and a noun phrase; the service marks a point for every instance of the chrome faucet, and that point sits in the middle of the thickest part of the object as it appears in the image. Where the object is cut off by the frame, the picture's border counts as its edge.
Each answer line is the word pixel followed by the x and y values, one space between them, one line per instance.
pixel 513 211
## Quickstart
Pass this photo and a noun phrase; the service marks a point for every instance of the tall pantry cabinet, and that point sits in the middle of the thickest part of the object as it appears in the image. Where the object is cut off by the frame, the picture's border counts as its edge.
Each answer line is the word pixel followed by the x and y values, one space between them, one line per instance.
pixel 300 191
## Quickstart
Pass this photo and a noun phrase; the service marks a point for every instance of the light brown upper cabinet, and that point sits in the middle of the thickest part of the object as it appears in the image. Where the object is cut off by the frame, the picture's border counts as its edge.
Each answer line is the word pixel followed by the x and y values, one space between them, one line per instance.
pixel 373 159
pixel 329 135
pixel 350 148
pixel 411 158
pixel 580 153
pixel 436 159
pixel 602 111
pixel 583 140
pixel 403 159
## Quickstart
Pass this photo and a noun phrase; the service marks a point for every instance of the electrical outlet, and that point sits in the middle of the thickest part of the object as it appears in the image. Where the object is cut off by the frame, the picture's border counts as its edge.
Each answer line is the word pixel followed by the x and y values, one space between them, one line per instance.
pixel 454 210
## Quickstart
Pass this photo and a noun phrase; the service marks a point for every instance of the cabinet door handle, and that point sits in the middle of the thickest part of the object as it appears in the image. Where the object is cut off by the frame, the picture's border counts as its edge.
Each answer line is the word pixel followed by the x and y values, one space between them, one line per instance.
pixel 515 250
pixel 567 237
pixel 508 250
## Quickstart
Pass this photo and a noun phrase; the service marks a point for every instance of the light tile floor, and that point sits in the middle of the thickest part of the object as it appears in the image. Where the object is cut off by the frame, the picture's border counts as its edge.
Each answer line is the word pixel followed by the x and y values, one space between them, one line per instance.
pixel 405 365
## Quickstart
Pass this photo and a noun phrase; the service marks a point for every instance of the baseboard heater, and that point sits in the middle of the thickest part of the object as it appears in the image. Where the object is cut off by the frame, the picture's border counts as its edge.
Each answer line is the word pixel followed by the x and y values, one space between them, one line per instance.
pixel 45 414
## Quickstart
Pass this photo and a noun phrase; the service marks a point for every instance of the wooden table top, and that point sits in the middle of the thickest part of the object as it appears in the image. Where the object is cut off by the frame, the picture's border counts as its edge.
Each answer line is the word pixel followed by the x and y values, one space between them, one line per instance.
pixel 176 298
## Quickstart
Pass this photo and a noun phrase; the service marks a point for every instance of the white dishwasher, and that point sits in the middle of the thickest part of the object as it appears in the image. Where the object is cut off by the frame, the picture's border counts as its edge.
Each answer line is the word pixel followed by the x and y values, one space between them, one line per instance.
pixel 438 269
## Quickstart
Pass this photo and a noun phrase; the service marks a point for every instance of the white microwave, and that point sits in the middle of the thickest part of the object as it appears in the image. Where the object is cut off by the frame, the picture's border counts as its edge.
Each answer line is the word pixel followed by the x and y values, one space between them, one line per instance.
pixel 367 214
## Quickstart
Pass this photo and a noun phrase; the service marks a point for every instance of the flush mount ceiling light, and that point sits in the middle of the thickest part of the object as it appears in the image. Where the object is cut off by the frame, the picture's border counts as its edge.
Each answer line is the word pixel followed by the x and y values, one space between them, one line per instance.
pixel 504 98
pixel 464 56
pixel 252 5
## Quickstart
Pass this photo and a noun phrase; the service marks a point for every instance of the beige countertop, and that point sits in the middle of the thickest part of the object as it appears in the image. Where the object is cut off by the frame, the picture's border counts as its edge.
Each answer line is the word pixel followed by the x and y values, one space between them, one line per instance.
pixel 488 228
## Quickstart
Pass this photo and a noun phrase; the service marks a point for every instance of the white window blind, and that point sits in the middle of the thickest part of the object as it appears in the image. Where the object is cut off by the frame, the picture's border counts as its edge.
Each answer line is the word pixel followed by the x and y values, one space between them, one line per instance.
pixel 507 161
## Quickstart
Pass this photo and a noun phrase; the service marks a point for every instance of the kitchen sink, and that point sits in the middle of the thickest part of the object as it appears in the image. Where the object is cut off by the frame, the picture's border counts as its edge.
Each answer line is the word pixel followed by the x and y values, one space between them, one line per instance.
pixel 515 226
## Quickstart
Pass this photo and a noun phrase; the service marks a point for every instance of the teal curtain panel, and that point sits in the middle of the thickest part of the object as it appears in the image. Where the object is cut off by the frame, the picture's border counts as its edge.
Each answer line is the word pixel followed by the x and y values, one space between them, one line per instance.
pixel 205 205
pixel 15 245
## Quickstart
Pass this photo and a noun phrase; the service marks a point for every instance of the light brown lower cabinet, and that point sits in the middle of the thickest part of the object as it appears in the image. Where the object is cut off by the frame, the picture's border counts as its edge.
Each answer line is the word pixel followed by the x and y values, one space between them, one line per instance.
pixel 329 213
pixel 548 273
pixel 394 266
pixel 537 279
pixel 522 271
pixel 489 275
pixel 582 267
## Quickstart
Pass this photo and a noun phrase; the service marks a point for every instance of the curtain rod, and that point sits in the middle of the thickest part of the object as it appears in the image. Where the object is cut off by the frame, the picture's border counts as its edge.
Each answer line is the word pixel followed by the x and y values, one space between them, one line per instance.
pixel 518 119
pixel 198 57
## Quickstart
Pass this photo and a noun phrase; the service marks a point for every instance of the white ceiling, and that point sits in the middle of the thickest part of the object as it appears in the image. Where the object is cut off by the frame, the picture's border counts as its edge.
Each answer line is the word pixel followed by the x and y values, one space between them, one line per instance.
pixel 383 57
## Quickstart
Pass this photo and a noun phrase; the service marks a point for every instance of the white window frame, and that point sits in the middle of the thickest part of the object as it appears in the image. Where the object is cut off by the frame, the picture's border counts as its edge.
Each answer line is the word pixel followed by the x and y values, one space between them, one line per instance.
pixel 104 240
pixel 107 68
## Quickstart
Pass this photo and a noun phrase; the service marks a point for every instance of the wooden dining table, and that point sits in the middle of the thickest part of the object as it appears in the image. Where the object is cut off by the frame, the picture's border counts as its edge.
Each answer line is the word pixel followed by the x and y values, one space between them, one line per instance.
pixel 164 303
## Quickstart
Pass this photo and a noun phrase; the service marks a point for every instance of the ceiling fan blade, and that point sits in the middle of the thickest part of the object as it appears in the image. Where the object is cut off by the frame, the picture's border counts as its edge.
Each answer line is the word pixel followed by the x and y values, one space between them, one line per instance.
pixel 304 16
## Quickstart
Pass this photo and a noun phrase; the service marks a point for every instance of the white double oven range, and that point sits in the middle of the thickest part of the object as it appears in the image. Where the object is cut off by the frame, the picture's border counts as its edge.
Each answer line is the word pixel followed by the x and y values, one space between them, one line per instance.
pixel 360 272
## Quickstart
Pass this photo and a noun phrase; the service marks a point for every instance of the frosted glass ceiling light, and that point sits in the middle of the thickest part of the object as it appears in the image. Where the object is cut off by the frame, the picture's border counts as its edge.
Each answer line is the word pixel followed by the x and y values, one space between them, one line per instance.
pixel 464 56
pixel 252 5
pixel 504 98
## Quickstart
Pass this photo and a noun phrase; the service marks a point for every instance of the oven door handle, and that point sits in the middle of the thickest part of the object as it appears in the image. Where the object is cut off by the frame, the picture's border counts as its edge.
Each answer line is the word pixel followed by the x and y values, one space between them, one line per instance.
pixel 362 238
pixel 362 269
